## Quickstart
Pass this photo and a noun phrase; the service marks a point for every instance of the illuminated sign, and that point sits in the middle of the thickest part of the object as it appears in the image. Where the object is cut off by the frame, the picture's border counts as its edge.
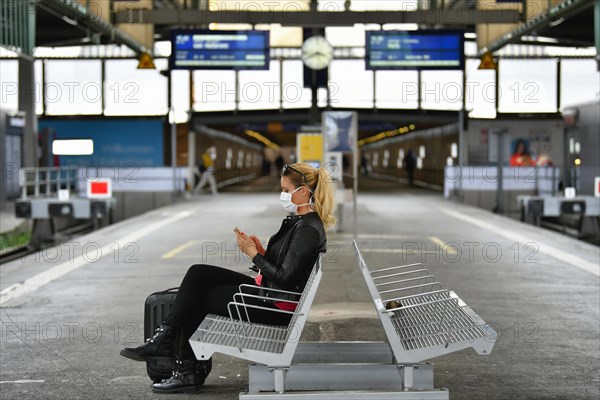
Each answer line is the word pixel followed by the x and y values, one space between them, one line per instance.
pixel 203 49
pixel 424 49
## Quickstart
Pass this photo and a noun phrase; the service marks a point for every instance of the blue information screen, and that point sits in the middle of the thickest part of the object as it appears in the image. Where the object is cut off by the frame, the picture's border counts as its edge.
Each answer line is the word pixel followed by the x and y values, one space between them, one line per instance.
pixel 435 49
pixel 204 49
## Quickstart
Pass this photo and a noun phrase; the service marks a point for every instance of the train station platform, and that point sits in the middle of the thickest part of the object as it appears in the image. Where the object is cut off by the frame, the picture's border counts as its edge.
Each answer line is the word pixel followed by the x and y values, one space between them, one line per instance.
pixel 67 311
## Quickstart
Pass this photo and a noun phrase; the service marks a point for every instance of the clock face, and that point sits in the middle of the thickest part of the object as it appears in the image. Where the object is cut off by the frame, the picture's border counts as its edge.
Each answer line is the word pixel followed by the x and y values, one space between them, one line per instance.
pixel 317 53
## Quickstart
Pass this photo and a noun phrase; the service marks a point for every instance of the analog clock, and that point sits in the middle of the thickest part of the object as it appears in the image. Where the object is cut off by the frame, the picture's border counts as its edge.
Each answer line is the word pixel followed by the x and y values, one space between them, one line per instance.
pixel 317 53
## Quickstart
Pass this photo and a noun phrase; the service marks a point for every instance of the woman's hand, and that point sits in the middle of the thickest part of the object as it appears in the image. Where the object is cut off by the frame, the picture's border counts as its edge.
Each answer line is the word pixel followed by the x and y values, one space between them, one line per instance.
pixel 258 244
pixel 246 244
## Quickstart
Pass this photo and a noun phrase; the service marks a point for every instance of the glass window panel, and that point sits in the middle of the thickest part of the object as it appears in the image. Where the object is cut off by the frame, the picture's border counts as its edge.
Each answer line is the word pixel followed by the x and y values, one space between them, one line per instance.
pixel 9 83
pixel 294 93
pixel 73 87
pixel 400 27
pixel 346 35
pixel 132 91
pixel 397 89
pixel 259 90
pixel 441 90
pixel 580 82
pixel 4 52
pixel 471 48
pixel 214 90
pixel 279 36
pixel 285 36
pixel 351 85
pixel 180 94
pixel 481 91
pixel 385 5
pixel 258 5
pixel 527 86
pixel 162 48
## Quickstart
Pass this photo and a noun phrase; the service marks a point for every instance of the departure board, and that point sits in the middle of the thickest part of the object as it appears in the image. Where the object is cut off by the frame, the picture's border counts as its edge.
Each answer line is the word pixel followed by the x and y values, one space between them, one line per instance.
pixel 204 49
pixel 424 49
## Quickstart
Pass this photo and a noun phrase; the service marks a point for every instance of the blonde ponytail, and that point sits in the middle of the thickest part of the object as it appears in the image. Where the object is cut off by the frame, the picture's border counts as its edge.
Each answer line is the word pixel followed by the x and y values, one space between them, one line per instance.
pixel 324 198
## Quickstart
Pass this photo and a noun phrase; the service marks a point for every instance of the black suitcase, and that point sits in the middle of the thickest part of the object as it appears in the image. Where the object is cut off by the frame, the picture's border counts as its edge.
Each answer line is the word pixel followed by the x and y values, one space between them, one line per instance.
pixel 156 309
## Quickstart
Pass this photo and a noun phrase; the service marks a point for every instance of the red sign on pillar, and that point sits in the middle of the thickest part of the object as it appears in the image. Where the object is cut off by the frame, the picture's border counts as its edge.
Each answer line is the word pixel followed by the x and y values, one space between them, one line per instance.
pixel 100 188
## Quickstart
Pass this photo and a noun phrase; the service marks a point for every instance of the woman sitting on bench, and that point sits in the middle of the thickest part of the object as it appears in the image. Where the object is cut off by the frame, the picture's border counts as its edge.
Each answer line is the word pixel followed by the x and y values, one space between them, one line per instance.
pixel 286 264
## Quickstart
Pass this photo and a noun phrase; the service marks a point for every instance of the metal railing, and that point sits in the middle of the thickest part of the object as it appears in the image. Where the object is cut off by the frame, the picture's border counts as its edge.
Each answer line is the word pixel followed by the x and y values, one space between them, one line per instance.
pixel 46 180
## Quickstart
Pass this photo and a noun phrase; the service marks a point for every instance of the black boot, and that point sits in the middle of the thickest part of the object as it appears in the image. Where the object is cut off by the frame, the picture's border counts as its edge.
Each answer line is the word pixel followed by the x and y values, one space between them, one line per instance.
pixel 159 346
pixel 188 377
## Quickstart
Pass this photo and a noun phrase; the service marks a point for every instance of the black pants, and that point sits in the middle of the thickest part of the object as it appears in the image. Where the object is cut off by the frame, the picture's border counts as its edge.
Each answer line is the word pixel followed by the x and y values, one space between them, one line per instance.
pixel 207 289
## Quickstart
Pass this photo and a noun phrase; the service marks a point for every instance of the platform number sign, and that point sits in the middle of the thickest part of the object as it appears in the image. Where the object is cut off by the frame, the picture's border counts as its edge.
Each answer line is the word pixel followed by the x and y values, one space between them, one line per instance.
pixel 99 188
pixel 597 186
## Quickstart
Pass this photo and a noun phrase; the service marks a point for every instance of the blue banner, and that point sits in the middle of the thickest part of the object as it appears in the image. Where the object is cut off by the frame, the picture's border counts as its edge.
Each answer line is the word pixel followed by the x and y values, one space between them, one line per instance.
pixel 117 142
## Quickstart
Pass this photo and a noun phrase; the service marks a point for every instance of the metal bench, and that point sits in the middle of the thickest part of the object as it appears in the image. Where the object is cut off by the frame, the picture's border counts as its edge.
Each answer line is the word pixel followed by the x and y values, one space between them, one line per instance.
pixel 271 345
pixel 422 320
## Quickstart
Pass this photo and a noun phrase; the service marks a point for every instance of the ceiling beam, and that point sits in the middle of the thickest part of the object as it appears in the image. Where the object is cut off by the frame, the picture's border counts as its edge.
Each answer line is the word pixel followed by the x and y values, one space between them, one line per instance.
pixel 75 11
pixel 461 16
pixel 545 19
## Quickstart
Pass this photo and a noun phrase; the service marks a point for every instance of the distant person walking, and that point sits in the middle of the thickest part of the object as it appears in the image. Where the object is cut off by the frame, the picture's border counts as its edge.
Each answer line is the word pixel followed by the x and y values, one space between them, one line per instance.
pixel 410 163
pixel 364 165
pixel 207 169
pixel 279 162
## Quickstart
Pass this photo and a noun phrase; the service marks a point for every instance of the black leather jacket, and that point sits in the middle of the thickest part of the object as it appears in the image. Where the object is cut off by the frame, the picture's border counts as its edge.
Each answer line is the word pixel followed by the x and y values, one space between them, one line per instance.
pixel 290 255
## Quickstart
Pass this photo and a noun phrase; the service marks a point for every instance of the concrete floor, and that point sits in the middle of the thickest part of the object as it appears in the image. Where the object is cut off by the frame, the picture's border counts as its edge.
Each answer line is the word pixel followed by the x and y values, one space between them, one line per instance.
pixel 62 332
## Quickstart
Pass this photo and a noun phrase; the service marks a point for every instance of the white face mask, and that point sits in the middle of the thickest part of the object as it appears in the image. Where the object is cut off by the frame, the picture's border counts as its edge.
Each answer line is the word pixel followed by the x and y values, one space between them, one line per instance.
pixel 286 201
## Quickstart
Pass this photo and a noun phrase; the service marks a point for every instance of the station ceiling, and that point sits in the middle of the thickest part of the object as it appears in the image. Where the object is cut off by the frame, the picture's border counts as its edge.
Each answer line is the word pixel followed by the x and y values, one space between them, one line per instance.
pixel 574 30
pixel 54 30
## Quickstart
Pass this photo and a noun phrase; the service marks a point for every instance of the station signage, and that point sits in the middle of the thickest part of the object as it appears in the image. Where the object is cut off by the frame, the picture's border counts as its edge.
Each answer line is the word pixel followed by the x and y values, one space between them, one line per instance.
pixel 232 50
pixel 416 50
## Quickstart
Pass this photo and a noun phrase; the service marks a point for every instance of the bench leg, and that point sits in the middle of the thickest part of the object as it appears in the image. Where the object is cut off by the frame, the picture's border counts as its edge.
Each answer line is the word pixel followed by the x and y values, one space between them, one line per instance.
pixel 279 377
pixel 407 376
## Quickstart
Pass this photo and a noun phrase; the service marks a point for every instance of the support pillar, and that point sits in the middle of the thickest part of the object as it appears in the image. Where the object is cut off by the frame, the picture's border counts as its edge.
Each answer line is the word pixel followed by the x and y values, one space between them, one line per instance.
pixel 27 104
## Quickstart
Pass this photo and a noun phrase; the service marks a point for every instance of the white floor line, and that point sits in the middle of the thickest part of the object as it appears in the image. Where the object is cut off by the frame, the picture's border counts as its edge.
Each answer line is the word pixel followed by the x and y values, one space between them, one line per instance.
pixel 25 381
pixel 543 247
pixel 41 279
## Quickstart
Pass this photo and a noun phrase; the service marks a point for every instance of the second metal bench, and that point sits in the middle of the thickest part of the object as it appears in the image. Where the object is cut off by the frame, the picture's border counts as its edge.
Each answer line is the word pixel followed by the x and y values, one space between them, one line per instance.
pixel 421 319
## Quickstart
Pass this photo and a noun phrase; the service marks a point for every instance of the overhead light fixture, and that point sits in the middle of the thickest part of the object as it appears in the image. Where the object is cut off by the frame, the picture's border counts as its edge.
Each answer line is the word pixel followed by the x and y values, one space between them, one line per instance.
pixel 539 39
pixel 261 139
pixel 69 20
pixel 386 134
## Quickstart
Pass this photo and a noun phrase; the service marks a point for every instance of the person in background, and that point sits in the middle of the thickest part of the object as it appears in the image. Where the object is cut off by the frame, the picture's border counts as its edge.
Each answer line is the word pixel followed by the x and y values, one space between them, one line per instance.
pixel 364 168
pixel 410 163
pixel 279 163
pixel 207 164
